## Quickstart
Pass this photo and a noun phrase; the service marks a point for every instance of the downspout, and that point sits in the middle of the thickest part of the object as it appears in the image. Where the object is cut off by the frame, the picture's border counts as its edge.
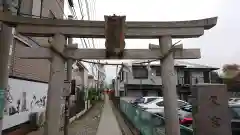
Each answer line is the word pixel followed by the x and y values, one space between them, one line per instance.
pixel 41 8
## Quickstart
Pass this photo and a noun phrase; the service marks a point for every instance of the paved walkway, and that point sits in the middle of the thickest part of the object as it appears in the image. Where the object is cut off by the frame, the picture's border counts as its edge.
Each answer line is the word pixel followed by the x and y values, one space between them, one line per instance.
pixel 108 123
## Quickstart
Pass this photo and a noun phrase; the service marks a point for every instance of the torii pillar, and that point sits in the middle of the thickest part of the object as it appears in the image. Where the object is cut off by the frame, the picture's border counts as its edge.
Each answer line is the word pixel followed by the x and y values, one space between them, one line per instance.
pixel 55 101
pixel 169 87
pixel 6 38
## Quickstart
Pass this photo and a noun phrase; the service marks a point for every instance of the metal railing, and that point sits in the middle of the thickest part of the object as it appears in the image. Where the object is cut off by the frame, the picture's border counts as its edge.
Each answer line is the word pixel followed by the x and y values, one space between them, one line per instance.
pixel 147 123
pixel 192 80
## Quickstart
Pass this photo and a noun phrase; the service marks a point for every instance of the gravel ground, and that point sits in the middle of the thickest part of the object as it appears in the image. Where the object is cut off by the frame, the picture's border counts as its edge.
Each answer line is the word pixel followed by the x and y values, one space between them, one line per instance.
pixel 86 125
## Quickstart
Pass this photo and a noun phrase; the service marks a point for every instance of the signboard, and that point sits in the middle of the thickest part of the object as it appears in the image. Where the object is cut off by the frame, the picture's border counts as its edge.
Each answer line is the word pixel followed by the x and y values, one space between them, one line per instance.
pixel 210 110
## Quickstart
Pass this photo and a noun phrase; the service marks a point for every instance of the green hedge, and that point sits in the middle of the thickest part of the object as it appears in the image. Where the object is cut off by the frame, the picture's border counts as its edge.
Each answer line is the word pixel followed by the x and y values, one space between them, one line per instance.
pixel 94 95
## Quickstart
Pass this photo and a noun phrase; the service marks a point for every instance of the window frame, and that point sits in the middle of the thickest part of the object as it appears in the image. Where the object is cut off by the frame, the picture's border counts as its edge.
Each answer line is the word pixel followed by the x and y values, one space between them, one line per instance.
pixel 139 100
pixel 121 75
pixel 160 102
pixel 234 113
pixel 158 71
pixel 137 69
pixel 150 100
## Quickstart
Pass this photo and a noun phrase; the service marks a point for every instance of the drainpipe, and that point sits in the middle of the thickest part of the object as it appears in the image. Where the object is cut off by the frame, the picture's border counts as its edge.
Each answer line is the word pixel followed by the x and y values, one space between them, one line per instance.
pixel 41 8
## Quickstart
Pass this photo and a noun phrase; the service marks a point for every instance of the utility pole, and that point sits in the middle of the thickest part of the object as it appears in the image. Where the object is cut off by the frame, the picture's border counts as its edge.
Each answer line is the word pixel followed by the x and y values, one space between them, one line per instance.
pixel 116 83
pixel 6 39
pixel 69 78
pixel 98 79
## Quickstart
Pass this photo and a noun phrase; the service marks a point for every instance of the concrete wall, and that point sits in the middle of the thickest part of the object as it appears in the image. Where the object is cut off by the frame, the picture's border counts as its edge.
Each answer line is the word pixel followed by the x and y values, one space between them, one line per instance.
pixel 24 91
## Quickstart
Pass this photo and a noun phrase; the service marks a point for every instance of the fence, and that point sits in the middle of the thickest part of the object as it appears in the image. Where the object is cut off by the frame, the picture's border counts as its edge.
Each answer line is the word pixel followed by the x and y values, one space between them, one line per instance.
pixel 79 104
pixel 147 123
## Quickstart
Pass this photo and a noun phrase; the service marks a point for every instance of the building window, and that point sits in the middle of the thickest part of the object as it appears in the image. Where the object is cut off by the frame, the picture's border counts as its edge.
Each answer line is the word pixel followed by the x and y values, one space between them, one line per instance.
pixel 10 49
pixel 121 76
pixel 140 72
pixel 158 71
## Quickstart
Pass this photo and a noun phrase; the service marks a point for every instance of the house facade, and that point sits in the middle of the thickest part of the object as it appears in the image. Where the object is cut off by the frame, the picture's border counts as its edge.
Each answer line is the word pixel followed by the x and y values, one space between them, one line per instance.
pixel 91 81
pixel 102 75
pixel 145 79
pixel 34 70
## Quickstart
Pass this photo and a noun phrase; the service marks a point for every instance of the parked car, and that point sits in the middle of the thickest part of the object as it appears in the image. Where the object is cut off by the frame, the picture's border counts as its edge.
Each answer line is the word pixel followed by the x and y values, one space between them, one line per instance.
pixel 234 100
pixel 235 122
pixel 185 115
pixel 157 106
pixel 145 100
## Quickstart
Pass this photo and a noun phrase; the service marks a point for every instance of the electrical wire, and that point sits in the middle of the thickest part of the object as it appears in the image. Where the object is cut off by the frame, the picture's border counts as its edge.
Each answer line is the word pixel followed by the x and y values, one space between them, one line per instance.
pixel 61 8
pixel 83 39
pixel 81 9
pixel 106 63
pixel 87 7
pixel 88 15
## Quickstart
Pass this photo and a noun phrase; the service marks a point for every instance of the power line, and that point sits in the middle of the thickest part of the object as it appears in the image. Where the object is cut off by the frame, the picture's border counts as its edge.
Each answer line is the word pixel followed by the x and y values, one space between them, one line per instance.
pixel 81 9
pixel 84 42
pixel 61 8
pixel 87 7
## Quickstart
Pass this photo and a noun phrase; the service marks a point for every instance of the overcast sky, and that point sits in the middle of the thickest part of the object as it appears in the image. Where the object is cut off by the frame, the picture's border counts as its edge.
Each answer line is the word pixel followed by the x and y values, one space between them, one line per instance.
pixel 218 45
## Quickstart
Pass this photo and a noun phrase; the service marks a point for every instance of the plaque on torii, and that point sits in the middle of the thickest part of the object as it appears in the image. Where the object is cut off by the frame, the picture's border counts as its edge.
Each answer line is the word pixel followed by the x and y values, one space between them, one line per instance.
pixel 59 51
pixel 115 35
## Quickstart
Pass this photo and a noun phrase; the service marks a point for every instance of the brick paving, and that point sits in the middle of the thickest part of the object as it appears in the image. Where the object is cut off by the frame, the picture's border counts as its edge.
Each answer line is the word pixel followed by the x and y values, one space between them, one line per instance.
pixel 86 125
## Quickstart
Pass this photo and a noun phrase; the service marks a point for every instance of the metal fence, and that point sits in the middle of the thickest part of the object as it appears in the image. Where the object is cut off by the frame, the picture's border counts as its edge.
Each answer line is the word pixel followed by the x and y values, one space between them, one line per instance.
pixel 147 123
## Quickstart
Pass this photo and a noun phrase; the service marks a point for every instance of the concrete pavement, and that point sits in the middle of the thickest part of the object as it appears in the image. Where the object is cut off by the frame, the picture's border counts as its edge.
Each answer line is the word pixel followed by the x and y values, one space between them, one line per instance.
pixel 108 123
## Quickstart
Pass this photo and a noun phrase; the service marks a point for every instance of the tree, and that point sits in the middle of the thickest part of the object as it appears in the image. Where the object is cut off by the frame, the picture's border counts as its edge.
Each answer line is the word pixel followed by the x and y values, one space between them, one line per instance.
pixel 215 78
pixel 231 76
pixel 230 70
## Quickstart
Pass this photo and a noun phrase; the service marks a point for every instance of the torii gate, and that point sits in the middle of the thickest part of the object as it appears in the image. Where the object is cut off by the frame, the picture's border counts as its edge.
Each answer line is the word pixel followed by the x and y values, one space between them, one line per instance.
pixel 59 52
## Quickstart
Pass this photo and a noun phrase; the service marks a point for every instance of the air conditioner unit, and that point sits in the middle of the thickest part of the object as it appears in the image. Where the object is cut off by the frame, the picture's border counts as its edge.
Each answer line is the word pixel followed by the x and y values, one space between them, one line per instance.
pixel 37 118
pixel 41 118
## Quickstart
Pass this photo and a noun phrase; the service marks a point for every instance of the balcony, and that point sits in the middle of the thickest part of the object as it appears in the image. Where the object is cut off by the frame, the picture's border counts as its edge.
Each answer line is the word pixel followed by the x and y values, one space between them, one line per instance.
pixel 190 81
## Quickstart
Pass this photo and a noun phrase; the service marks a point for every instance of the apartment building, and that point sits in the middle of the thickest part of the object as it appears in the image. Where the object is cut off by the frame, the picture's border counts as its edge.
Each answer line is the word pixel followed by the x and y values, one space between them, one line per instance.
pixel 145 79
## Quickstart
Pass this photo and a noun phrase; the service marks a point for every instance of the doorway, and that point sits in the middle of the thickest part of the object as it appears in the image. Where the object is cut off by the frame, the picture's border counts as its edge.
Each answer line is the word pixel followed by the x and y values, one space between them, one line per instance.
pixel 144 93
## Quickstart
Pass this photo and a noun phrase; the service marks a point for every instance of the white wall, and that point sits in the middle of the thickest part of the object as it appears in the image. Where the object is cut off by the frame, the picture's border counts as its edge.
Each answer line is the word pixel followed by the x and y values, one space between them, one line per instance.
pixel 16 89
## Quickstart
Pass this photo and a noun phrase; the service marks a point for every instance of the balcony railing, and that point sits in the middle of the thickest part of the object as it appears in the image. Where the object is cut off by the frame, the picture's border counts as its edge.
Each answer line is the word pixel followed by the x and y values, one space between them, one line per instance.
pixel 147 123
pixel 193 80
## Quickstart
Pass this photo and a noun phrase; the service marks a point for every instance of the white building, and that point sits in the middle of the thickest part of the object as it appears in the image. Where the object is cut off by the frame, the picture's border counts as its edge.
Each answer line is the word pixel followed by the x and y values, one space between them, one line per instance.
pixel 102 75
pixel 145 79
